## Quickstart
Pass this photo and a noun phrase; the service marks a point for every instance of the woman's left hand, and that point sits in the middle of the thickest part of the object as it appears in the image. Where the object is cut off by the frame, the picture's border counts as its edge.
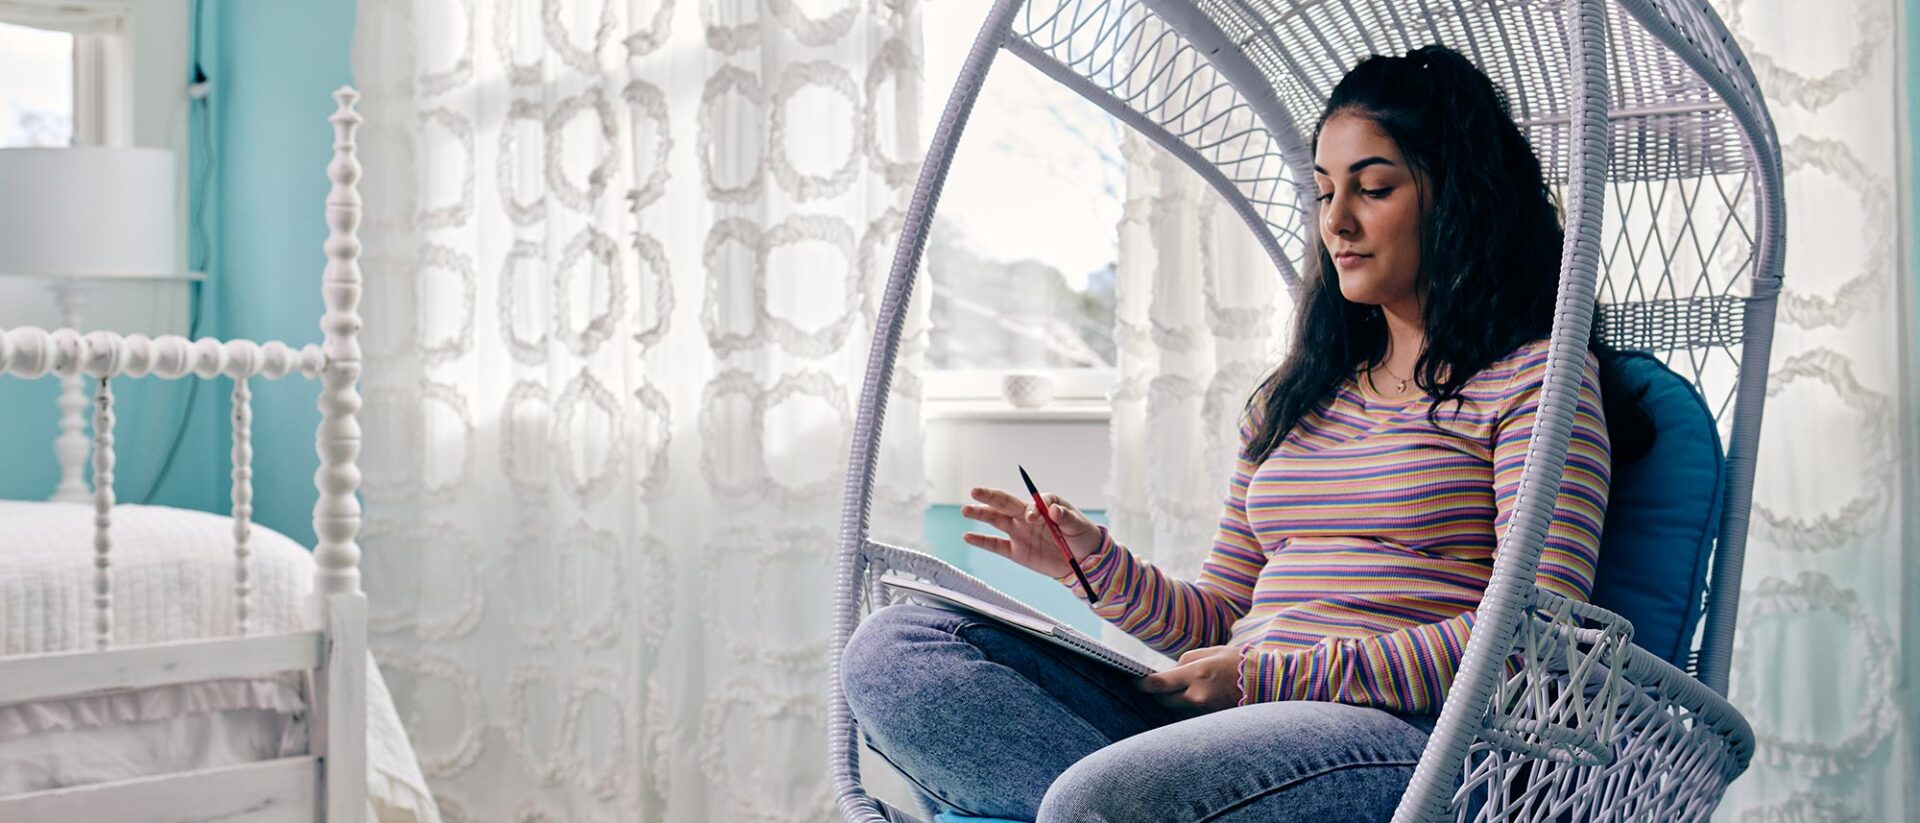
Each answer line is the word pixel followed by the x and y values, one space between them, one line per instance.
pixel 1205 680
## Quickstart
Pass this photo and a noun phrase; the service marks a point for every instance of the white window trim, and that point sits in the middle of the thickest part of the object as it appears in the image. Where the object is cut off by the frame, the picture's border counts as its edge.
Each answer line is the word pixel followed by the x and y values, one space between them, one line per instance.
pixel 102 62
pixel 103 89
pixel 71 16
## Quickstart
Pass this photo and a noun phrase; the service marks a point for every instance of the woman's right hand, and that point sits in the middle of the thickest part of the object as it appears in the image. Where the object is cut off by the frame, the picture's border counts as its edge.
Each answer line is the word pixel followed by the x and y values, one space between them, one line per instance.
pixel 1028 542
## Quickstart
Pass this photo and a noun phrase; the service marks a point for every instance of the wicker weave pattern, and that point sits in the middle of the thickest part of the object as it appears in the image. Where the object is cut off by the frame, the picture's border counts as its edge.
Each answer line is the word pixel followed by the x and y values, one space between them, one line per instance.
pixel 1585 724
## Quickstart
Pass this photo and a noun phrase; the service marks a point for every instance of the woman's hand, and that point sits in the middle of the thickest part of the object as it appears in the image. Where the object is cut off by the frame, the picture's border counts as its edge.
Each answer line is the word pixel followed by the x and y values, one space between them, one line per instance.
pixel 1206 680
pixel 1028 541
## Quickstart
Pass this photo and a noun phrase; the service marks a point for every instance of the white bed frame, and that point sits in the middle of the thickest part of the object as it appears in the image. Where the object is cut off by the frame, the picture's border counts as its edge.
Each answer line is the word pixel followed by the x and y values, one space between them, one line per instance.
pixel 330 782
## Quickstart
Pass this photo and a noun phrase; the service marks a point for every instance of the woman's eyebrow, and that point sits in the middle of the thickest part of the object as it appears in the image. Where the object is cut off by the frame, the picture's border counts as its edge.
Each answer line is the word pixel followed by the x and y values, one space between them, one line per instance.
pixel 1358 165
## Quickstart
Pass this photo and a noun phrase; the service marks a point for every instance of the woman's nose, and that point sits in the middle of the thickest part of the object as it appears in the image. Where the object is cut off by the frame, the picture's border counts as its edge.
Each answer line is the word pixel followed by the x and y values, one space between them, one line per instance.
pixel 1337 218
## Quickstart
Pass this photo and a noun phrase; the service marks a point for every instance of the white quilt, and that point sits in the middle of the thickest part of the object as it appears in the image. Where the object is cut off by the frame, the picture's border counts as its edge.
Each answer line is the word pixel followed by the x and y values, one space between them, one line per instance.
pixel 173 580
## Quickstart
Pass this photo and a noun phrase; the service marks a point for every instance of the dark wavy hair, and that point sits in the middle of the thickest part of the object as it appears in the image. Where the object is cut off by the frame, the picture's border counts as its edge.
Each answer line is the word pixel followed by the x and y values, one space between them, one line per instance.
pixel 1489 253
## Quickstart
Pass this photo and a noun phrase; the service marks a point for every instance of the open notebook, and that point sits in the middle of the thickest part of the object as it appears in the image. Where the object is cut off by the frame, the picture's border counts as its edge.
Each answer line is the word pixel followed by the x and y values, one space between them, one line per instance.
pixel 1065 636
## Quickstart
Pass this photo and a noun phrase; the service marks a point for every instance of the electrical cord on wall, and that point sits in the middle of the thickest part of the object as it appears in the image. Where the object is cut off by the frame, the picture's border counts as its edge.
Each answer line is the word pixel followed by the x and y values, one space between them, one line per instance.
pixel 199 244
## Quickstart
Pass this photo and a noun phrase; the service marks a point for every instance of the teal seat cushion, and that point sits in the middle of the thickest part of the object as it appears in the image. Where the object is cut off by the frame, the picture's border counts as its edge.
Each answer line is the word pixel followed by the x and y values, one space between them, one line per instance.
pixel 1663 515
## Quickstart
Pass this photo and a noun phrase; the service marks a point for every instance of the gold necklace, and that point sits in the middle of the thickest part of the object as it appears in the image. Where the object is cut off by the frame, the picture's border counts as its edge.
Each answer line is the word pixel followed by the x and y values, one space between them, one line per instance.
pixel 1401 382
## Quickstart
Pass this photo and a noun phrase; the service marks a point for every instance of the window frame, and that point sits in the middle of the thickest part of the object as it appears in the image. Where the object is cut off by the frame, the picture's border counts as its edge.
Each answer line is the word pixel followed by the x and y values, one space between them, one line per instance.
pixel 102 65
pixel 1079 391
pixel 103 87
pixel 1081 395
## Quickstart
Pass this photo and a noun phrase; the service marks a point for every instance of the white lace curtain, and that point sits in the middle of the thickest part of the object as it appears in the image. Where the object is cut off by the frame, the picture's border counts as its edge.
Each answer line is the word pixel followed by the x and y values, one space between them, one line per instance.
pixel 622 260
pixel 1201 317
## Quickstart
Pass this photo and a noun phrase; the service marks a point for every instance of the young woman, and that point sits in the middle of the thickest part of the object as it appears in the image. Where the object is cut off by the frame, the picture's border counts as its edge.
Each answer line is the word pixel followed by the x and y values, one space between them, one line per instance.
pixel 1376 474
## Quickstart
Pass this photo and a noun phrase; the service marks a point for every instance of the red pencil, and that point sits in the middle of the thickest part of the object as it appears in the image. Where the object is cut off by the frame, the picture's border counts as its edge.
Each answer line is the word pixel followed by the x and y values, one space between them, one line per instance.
pixel 1058 537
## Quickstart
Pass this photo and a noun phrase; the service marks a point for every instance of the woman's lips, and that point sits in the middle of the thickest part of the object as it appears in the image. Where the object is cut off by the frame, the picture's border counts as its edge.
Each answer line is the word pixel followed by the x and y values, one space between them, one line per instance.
pixel 1349 259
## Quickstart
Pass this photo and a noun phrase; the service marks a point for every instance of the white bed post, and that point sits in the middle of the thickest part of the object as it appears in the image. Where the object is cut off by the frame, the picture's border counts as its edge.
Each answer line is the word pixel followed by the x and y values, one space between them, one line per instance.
pixel 242 495
pixel 103 459
pixel 339 606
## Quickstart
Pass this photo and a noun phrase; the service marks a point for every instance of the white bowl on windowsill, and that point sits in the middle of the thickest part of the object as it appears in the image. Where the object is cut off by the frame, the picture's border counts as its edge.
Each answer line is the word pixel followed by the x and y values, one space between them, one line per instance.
pixel 1025 390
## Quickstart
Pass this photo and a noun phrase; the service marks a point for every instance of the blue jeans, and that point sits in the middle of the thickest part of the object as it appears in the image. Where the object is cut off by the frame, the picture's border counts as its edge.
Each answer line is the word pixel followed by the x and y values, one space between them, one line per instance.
pixel 987 721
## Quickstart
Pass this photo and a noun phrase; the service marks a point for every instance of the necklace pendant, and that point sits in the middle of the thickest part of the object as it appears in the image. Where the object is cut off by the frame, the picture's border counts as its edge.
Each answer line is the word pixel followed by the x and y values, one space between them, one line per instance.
pixel 1403 387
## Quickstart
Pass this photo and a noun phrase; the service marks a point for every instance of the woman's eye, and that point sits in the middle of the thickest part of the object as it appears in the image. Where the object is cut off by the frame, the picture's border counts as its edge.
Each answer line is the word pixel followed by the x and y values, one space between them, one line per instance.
pixel 1325 198
pixel 1377 193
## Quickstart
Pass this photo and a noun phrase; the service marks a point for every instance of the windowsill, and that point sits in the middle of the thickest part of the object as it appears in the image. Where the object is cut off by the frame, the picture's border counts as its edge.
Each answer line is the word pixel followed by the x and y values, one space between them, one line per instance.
pixel 1000 411
pixel 1079 396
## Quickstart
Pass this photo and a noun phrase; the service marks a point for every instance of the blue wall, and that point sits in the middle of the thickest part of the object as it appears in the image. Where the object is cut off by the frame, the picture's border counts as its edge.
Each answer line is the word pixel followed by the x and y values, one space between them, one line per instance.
pixel 147 414
pixel 274 67
pixel 27 470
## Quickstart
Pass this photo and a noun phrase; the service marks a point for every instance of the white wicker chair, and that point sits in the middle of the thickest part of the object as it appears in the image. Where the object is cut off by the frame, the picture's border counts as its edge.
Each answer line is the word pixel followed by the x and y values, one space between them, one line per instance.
pixel 1650 123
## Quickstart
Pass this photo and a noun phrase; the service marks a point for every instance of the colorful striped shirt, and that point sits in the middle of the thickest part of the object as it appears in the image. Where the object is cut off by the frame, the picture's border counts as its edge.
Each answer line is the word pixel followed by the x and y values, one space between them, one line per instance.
pixel 1349 562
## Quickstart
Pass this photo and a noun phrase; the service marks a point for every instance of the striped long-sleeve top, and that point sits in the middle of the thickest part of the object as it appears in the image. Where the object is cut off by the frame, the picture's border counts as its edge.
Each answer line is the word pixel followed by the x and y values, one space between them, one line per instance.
pixel 1349 562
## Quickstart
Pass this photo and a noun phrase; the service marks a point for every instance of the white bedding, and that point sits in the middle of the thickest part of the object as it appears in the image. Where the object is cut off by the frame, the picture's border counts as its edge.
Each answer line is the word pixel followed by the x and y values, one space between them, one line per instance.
pixel 173 579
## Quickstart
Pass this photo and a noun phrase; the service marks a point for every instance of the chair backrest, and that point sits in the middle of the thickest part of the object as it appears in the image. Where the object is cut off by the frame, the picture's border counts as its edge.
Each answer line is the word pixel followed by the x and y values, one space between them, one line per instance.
pixel 1663 515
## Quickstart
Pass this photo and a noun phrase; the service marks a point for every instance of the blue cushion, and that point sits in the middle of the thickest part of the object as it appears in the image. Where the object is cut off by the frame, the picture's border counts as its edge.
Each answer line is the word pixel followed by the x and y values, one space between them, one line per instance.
pixel 956 817
pixel 1663 515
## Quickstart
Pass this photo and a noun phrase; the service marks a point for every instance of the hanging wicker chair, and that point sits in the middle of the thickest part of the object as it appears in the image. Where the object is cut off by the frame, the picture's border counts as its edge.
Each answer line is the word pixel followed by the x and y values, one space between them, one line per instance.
pixel 1651 127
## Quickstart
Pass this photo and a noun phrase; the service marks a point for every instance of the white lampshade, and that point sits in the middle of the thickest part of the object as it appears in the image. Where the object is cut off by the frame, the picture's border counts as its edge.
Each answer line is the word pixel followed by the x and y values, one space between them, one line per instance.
pixel 87 212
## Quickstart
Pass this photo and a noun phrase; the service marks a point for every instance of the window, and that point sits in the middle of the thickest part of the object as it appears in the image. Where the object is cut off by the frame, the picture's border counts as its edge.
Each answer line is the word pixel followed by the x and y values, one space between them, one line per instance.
pixel 1021 256
pixel 36 87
